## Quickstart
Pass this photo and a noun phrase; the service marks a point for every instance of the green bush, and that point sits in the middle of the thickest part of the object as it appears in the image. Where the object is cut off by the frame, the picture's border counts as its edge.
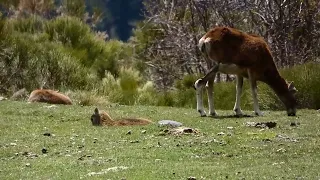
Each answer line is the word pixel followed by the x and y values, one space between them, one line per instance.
pixel 306 79
pixel 33 24
pixel 147 94
pixel 29 63
pixel 67 30
pixel 114 54
pixel 122 90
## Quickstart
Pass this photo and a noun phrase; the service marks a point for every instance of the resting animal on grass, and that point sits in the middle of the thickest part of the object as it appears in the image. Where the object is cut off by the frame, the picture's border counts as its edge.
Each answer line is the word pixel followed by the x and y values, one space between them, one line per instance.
pixel 49 96
pixel 231 51
pixel 102 118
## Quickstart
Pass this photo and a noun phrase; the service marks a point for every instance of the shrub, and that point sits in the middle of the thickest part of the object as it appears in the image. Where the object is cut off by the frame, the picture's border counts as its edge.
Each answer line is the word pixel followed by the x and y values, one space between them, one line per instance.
pixel 33 24
pixel 114 54
pixel 122 90
pixel 88 98
pixel 306 78
pixel 30 62
pixel 147 94
pixel 67 30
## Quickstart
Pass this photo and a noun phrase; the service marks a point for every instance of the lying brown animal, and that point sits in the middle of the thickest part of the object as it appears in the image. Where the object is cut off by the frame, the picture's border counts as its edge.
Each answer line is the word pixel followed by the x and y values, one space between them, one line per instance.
pixel 102 118
pixel 49 96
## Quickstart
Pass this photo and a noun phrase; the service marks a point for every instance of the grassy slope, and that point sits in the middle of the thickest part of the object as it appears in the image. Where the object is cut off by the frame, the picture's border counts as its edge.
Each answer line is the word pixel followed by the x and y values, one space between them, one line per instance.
pixel 73 151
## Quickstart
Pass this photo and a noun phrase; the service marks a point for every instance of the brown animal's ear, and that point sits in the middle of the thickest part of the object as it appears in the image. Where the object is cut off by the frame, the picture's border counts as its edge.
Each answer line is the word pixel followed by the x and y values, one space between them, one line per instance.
pixel 96 111
pixel 292 88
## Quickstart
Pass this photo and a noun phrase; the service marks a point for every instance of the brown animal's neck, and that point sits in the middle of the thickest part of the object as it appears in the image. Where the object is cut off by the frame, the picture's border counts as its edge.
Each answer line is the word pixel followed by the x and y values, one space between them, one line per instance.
pixel 276 82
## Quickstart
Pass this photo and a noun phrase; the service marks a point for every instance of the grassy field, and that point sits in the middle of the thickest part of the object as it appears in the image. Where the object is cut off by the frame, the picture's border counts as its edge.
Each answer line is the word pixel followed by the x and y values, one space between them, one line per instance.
pixel 38 141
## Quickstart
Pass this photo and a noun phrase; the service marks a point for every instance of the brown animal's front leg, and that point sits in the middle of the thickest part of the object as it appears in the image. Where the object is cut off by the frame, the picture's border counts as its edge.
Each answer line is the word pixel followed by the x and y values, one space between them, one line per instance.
pixel 199 92
pixel 210 87
pixel 199 84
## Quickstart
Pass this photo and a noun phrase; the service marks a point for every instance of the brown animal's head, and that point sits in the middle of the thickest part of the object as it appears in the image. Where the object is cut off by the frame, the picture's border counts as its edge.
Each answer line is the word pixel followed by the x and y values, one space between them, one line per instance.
pixel 95 118
pixel 289 100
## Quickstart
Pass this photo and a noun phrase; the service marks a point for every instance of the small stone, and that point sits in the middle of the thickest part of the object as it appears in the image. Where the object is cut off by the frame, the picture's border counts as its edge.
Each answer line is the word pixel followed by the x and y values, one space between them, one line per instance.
pixel 143 131
pixel 28 165
pixel 129 132
pixel 13 144
pixel 44 150
pixel 191 178
pixel 221 133
pixel 281 150
pixel 136 141
pixel 294 124
pixel 47 134
pixel 169 123
pixel 229 127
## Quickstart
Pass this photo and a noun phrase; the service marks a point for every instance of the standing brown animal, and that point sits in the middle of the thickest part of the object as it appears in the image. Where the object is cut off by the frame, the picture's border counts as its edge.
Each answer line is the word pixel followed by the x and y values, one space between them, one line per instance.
pixel 231 51
pixel 103 119
pixel 49 96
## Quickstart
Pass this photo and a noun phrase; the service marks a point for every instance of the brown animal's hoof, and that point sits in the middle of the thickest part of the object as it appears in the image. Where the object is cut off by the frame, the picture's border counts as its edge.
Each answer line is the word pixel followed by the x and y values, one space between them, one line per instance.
pixel 202 113
pixel 292 114
pixel 294 124
pixel 213 114
pixel 198 83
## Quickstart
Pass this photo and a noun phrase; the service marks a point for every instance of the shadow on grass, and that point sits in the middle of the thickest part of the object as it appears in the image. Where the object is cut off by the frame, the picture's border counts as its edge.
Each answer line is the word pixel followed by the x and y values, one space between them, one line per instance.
pixel 231 116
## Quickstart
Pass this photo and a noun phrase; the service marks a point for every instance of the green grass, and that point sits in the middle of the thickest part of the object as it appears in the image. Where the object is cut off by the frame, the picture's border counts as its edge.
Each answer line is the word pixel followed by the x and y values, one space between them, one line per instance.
pixel 76 148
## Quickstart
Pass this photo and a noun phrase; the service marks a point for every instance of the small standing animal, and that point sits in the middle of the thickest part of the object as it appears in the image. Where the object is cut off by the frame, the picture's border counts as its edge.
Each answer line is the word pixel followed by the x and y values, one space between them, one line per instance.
pixel 49 96
pixel 232 51
pixel 102 118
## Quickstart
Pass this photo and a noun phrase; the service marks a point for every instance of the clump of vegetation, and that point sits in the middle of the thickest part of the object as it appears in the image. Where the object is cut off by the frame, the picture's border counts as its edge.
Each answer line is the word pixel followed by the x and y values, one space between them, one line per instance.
pixel 65 52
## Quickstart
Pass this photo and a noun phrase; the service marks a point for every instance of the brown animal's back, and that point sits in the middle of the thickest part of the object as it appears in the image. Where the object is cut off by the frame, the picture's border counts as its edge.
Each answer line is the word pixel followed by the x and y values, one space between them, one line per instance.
pixel 237 47
pixel 248 51
pixel 49 96
pixel 132 121
pixel 102 118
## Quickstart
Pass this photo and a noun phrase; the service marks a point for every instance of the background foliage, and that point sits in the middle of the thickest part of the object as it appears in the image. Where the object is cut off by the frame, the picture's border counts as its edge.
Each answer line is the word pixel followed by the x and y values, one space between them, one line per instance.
pixel 72 46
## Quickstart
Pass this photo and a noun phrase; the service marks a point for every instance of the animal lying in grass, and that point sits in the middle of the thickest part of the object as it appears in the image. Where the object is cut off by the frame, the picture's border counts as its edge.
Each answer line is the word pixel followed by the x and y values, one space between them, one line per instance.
pixel 49 96
pixel 102 118
pixel 231 51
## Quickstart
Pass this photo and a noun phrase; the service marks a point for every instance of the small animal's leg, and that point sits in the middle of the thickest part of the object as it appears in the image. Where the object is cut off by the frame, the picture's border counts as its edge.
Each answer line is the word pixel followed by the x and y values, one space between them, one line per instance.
pixel 199 90
pixel 239 86
pixel 211 74
pixel 198 85
pixel 210 87
pixel 253 85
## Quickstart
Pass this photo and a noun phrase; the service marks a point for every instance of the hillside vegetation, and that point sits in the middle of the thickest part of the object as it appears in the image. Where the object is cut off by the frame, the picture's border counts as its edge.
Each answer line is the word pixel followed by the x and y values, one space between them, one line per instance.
pixel 62 50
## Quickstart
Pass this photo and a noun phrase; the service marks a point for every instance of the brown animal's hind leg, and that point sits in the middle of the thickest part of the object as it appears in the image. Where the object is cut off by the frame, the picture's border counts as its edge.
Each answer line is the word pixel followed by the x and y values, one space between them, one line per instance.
pixel 253 85
pixel 239 86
